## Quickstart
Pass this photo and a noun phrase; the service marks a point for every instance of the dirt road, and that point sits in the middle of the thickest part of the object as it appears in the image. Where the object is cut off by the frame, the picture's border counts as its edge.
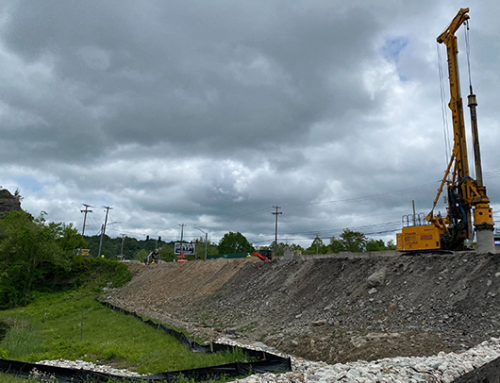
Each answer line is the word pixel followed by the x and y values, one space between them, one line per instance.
pixel 336 310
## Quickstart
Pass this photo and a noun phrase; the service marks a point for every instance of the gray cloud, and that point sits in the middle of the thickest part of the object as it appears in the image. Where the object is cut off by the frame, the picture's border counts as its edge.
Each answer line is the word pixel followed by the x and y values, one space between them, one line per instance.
pixel 211 113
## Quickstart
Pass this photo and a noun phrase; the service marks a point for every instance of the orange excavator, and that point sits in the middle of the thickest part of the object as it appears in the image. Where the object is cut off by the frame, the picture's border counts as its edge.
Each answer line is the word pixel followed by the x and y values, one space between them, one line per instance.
pixel 265 259
pixel 181 258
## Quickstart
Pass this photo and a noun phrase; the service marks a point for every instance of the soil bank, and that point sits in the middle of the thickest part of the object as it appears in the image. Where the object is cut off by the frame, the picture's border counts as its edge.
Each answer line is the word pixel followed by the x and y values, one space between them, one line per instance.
pixel 336 309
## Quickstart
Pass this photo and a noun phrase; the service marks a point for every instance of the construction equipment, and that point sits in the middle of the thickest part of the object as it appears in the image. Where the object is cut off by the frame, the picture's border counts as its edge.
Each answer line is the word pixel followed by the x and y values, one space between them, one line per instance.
pixel 181 258
pixel 465 195
pixel 258 255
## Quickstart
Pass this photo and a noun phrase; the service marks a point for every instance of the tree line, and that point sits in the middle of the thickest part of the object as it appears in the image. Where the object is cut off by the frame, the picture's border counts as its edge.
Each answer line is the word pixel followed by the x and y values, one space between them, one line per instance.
pixel 349 240
pixel 232 242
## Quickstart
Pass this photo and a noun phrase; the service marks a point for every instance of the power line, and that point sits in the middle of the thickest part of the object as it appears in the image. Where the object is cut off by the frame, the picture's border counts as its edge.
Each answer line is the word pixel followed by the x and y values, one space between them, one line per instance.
pixel 348 200
pixel 243 215
pixel 358 199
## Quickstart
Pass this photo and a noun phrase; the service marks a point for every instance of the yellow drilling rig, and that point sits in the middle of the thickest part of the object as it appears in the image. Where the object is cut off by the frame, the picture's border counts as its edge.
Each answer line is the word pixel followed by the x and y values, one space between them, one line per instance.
pixel 465 196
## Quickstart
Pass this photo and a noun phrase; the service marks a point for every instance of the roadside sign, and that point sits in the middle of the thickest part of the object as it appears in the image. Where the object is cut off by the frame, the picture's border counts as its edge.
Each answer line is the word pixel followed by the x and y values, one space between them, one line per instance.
pixel 187 248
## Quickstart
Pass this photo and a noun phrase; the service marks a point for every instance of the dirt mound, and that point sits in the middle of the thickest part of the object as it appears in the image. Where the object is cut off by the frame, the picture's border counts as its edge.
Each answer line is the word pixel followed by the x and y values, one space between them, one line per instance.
pixel 178 283
pixel 335 310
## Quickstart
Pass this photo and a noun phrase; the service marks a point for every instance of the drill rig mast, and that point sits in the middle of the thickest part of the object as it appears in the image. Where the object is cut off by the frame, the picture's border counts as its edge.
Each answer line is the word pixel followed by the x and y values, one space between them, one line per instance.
pixel 465 195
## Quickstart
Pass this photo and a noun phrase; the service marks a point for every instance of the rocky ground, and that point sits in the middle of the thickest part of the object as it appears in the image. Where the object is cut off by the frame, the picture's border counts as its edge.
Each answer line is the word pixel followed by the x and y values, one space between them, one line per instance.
pixel 334 310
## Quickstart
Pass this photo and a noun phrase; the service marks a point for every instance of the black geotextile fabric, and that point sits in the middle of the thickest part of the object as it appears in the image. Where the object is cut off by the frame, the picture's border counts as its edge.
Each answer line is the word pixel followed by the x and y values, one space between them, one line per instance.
pixel 266 363
pixel 487 373
pixel 72 375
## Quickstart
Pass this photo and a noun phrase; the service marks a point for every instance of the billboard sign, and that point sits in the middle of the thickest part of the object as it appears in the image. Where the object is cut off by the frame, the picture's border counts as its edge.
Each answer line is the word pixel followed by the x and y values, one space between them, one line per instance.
pixel 187 248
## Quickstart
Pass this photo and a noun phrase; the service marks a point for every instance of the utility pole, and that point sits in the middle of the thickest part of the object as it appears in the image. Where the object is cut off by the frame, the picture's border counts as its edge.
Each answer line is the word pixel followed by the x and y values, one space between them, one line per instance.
pixel 182 234
pixel 276 213
pixel 123 240
pixel 206 241
pixel 85 216
pixel 103 231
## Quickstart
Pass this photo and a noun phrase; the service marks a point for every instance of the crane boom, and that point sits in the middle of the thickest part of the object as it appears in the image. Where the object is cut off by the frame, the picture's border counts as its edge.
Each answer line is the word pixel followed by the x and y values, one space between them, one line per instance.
pixel 464 193
pixel 460 146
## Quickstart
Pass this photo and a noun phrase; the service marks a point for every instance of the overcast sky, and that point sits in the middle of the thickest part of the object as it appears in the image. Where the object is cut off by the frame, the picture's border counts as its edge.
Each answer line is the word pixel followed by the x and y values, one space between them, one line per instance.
pixel 209 113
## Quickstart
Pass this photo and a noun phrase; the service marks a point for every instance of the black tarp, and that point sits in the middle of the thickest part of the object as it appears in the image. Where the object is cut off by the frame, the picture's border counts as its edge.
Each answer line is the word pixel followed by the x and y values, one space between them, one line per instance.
pixel 72 375
pixel 487 373
pixel 265 362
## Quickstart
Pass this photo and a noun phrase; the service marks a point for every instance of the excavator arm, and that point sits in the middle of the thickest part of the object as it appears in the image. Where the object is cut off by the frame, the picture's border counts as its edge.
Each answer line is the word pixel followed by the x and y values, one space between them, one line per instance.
pixel 258 255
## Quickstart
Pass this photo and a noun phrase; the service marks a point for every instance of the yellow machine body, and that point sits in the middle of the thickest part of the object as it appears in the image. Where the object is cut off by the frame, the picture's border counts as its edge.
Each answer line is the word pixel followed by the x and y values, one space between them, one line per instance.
pixel 413 238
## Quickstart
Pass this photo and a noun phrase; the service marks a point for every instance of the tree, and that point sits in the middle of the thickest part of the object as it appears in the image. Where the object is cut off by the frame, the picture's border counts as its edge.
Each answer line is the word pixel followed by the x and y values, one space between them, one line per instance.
pixel 349 240
pixel 167 253
pixel 336 245
pixel 69 238
pixel 17 195
pixel 234 243
pixel 29 254
pixel 378 245
pixel 297 247
pixel 317 247
pixel 375 245
pixel 200 248
pixel 391 245
pixel 141 255
pixel 280 248
pixel 353 241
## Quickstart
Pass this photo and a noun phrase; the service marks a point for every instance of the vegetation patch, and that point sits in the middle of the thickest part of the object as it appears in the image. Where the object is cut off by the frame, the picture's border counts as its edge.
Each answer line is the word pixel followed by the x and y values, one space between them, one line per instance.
pixel 36 256
pixel 52 328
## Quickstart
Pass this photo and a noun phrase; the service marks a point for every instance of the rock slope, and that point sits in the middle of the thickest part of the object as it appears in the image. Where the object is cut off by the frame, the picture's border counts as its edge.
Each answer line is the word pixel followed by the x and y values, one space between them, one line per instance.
pixel 338 309
pixel 8 202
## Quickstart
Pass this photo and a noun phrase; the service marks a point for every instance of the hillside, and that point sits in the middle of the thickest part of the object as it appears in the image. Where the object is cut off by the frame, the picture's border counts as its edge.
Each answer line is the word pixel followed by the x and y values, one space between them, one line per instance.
pixel 336 309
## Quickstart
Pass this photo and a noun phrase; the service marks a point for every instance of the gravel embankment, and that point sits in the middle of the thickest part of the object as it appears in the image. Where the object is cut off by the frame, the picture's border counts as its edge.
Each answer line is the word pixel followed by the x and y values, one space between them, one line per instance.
pixel 441 368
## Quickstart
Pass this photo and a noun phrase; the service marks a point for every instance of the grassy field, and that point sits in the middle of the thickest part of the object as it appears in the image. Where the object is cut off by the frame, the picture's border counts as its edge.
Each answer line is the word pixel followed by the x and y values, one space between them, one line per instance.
pixel 51 328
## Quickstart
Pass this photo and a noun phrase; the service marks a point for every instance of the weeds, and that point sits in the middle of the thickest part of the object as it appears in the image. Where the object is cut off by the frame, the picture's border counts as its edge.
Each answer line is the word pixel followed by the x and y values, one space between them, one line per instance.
pixel 23 337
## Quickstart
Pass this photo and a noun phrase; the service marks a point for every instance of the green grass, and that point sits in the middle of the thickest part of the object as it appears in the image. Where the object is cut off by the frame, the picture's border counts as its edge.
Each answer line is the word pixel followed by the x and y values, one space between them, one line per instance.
pixel 22 338
pixel 7 378
pixel 50 328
